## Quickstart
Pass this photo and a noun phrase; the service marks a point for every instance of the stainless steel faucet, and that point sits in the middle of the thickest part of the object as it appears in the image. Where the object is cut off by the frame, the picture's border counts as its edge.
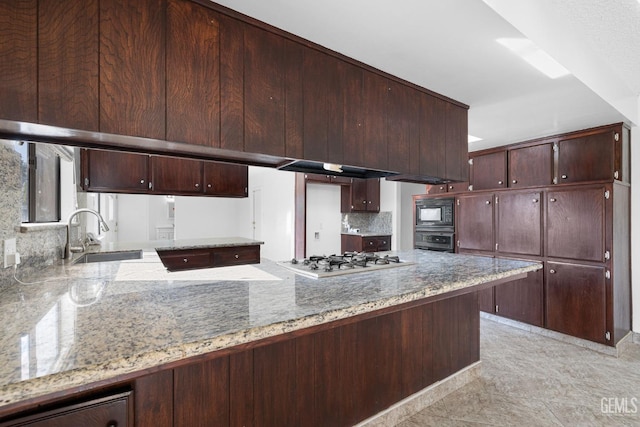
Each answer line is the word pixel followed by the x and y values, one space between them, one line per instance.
pixel 103 226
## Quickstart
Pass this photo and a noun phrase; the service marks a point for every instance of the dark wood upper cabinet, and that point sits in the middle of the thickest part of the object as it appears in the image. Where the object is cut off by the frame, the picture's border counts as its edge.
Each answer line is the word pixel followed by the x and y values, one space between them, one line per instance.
pixel 488 171
pixel 577 300
pixel 375 91
pixel 171 176
pixel 264 92
pixel 294 113
pixel 433 135
pixel 323 106
pixel 111 171
pixel 224 179
pixel 19 64
pixel 403 129
pixel 132 67
pixel 193 73
pixel 475 222
pixel 68 60
pixel 231 84
pixel 576 224
pixel 531 166
pixel 362 195
pixel 588 157
pixel 457 145
pixel 519 223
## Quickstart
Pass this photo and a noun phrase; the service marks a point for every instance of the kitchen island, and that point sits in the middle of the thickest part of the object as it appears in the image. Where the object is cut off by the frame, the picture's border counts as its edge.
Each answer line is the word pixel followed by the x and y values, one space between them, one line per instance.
pixel 260 342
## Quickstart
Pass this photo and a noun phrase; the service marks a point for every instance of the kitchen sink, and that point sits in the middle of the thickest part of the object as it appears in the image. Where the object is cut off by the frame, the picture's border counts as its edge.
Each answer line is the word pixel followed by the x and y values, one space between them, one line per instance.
pixel 108 256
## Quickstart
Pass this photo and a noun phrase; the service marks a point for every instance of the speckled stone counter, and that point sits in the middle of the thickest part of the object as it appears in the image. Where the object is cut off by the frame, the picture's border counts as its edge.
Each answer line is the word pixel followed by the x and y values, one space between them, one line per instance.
pixel 90 322
pixel 366 234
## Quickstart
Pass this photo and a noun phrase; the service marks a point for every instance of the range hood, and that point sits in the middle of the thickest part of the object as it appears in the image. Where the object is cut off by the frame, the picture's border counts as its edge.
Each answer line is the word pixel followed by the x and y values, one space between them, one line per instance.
pixel 307 166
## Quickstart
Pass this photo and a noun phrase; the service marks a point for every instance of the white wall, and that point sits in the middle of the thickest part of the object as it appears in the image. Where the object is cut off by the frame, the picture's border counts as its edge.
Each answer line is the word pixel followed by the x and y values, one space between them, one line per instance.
pixel 406 212
pixel 133 218
pixel 635 229
pixel 197 217
pixel 389 203
pixel 323 218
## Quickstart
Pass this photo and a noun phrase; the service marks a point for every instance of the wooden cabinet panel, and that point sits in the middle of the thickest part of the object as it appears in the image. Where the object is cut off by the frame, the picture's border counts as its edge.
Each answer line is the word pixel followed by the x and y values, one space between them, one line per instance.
pixel 19 65
pixel 475 222
pixel 154 400
pixel 457 146
pixel 374 144
pixel 576 300
pixel 174 176
pixel 236 255
pixel 531 166
pixel 457 187
pixel 433 136
pixel 108 411
pixel 68 63
pixel 201 394
pixel 519 223
pixel 403 129
pixel 294 113
pixel 225 179
pixel 414 322
pixel 486 302
pixel 522 299
pixel 99 171
pixel 323 107
pixel 231 84
pixel 362 195
pixel 575 224
pixel 488 171
pixel 188 259
pixel 437 189
pixel 132 67
pixel 193 74
pixel 586 158
pixel 241 394
pixel 264 99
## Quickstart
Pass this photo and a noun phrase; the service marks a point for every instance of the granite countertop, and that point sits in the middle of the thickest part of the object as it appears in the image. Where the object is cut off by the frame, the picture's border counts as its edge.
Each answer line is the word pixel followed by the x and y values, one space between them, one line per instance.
pixel 70 325
pixel 366 233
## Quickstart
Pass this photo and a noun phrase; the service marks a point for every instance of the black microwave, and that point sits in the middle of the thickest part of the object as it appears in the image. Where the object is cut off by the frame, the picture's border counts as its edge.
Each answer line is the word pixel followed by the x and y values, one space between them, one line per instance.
pixel 434 213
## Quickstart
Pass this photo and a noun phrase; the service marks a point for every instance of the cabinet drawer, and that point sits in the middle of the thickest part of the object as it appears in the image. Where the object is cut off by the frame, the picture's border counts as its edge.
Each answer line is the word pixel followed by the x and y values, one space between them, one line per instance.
pixel 178 260
pixel 236 255
pixel 384 244
pixel 107 411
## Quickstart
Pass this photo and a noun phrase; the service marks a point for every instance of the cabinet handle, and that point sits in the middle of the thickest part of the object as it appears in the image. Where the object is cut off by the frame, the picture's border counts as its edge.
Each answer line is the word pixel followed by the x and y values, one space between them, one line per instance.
pixel 499 182
pixel 552 271
pixel 237 256
pixel 564 177
pixel 515 181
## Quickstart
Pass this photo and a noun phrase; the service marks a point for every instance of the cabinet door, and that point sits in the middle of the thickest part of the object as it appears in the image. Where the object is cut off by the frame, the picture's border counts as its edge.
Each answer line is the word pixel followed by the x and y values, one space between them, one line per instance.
pixel 522 299
pixel 68 63
pixel 531 166
pixel 437 189
pixel 264 57
pixel 586 158
pixel 576 300
pixel 132 67
pixel 475 222
pixel 485 300
pixel 433 135
pixel 457 152
pixel 322 106
pixel 373 195
pixel 225 179
pixel 193 74
pixel 575 224
pixel 403 131
pixel 457 187
pixel 359 196
pixel 19 65
pixel 519 223
pixel 113 172
pixel 489 171
pixel 374 96
pixel 174 176
pixel 231 84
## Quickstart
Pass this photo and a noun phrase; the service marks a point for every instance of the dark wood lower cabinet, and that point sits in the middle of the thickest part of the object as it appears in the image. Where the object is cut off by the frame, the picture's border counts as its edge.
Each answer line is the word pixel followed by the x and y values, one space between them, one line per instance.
pixel 522 299
pixel 190 259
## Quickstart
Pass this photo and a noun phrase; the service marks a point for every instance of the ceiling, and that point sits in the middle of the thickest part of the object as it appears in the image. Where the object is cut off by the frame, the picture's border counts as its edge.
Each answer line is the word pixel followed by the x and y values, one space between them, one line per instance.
pixel 450 47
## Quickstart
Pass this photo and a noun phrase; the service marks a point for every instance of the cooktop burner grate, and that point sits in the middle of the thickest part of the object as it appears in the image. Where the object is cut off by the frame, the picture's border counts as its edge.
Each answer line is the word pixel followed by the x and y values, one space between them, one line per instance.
pixel 317 266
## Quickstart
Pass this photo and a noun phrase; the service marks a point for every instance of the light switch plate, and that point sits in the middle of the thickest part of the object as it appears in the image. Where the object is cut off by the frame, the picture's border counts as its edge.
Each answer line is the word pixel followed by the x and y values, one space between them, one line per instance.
pixel 9 252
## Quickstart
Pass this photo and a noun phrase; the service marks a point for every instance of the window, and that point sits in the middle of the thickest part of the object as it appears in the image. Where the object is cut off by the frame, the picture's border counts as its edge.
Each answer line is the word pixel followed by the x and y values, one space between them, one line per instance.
pixel 40 178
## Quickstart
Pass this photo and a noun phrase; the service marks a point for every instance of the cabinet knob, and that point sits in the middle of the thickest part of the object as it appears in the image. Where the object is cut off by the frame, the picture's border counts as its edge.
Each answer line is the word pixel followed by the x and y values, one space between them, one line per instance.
pixel 364 201
pixel 488 202
pixel 185 260
pixel 384 242
pixel 451 187
pixel 112 424
pixel 441 187
pixel 237 256
pixel 535 200
pixel 564 177
pixel 515 181
pixel 553 199
pixel 499 182
pixel 197 185
pixel 142 181
pixel 370 243
pixel 552 271
pixel 208 185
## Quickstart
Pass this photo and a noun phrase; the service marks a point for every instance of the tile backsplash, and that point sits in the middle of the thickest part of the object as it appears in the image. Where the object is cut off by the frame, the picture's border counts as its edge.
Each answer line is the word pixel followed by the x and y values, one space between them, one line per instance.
pixel 368 222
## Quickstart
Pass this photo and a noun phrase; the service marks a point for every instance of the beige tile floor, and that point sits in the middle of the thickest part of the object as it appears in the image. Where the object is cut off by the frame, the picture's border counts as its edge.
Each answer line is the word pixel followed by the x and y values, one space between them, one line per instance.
pixel 532 380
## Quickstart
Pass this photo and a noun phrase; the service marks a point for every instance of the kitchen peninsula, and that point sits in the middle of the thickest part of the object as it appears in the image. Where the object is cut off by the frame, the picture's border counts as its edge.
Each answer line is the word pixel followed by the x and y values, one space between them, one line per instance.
pixel 265 346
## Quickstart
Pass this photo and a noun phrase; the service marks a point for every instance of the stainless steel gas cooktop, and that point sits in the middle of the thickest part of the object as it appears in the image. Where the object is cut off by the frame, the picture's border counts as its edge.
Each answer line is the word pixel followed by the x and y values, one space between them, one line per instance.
pixel 319 266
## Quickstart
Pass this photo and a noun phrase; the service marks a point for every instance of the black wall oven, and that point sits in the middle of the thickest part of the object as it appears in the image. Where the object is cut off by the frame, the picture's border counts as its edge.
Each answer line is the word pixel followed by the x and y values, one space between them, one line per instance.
pixel 434 224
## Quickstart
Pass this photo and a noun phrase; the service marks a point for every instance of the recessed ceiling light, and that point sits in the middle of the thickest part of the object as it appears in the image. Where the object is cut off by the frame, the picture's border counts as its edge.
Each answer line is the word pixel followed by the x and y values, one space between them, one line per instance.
pixel 535 56
pixel 471 138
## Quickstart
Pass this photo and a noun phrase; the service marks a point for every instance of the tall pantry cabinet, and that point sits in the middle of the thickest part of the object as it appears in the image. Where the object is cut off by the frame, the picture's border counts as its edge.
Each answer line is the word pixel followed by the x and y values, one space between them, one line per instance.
pixel 574 217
